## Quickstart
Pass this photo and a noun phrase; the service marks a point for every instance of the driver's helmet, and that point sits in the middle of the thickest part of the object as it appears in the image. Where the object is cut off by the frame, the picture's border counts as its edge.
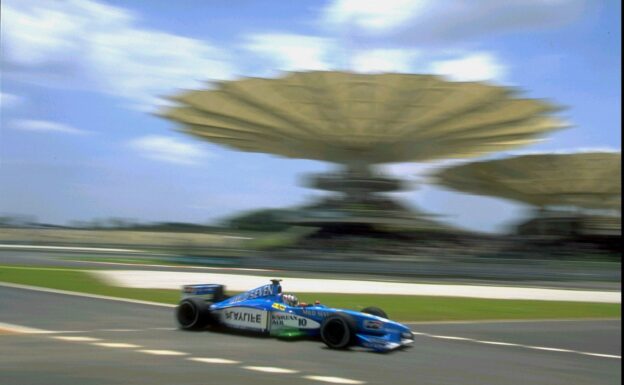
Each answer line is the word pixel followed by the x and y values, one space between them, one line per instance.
pixel 290 300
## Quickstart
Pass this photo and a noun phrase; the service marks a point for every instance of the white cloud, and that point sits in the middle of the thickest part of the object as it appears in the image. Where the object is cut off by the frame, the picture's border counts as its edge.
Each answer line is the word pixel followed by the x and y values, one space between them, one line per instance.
pixel 290 52
pixel 168 149
pixel 45 126
pixel 9 100
pixel 375 15
pixel 472 67
pixel 383 60
pixel 90 45
pixel 433 21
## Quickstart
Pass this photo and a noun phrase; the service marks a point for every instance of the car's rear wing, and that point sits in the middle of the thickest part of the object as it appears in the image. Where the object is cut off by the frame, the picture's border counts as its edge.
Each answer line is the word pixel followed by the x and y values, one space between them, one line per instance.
pixel 209 292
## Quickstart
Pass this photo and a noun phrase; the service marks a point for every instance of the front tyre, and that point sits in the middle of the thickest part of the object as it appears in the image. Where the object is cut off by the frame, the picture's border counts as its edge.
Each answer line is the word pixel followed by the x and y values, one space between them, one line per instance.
pixel 338 331
pixel 375 311
pixel 193 314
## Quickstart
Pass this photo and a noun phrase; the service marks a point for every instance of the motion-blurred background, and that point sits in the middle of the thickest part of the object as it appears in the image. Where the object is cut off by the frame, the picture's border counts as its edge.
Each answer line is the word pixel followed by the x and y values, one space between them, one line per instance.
pixel 456 163
pixel 438 136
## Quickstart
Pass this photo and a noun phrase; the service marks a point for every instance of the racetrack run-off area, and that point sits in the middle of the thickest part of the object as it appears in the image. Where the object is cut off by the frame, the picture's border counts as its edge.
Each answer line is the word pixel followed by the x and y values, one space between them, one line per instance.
pixel 235 282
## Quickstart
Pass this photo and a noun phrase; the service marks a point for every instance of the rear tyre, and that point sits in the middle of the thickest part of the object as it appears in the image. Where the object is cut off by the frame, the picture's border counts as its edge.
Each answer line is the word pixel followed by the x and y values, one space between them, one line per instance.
pixel 338 331
pixel 375 311
pixel 193 314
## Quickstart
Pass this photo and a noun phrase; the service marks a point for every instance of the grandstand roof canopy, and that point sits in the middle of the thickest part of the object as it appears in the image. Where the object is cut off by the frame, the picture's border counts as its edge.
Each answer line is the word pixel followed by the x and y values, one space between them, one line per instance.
pixel 350 118
pixel 589 180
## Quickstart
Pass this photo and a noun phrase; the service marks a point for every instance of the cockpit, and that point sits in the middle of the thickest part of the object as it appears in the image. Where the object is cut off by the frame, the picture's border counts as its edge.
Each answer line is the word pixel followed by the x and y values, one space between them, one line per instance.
pixel 290 299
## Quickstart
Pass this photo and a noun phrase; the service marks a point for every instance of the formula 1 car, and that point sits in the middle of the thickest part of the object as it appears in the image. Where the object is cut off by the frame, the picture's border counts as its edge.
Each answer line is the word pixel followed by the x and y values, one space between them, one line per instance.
pixel 268 311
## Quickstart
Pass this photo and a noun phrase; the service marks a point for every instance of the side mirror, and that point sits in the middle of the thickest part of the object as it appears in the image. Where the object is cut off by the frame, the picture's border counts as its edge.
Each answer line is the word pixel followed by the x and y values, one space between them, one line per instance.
pixel 276 282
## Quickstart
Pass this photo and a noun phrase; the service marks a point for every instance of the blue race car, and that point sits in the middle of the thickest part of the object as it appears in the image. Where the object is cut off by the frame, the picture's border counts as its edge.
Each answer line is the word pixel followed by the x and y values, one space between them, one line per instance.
pixel 267 310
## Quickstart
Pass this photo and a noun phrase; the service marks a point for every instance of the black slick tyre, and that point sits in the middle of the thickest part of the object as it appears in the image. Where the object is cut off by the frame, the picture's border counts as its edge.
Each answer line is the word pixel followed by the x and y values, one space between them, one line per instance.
pixel 338 331
pixel 193 314
pixel 375 311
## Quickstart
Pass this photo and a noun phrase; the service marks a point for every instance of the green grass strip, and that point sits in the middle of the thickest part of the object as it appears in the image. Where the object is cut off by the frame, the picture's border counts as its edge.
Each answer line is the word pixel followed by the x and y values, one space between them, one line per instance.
pixel 399 307
pixel 80 281
pixel 431 308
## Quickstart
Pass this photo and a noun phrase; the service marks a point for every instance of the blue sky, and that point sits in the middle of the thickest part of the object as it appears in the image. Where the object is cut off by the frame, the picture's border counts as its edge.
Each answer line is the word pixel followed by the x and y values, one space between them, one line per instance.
pixel 81 78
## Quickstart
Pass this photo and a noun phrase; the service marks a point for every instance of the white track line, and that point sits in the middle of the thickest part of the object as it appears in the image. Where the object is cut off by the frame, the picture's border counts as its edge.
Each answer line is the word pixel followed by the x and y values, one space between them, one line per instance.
pixel 501 343
pixel 213 360
pixel 23 329
pixel 494 342
pixel 601 355
pixel 552 349
pixel 206 360
pixel 78 294
pixel 333 380
pixel 118 330
pixel 120 345
pixel 162 352
pixel 270 369
pixel 35 247
pixel 76 338
pixel 453 338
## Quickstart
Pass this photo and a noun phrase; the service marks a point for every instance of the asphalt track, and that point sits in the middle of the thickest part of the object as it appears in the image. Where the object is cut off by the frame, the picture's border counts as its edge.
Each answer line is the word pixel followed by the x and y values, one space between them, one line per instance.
pixel 124 343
